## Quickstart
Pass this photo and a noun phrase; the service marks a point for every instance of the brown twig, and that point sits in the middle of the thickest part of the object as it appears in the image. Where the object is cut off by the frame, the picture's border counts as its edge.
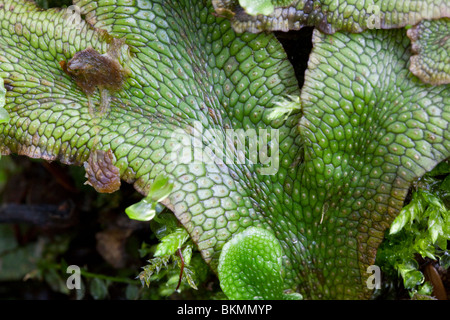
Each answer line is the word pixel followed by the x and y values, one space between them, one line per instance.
pixel 182 268
pixel 438 287
pixel 43 215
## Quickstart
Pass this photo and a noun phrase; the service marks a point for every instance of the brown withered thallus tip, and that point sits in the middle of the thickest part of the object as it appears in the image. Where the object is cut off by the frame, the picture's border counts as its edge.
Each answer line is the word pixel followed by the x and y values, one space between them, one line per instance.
pixel 101 172
pixel 90 69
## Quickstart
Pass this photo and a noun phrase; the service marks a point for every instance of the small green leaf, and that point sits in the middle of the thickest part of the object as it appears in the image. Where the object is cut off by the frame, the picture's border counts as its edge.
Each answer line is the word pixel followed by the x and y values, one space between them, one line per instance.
pixel 146 209
pixel 4 115
pixel 403 218
pixel 441 242
pixel 435 223
pixel 425 290
pixel 407 266
pixel 410 274
pixel 431 199
pixel 187 254
pixel 417 208
pixel 284 108
pixel 189 275
pixel 444 260
pixel 412 279
pixel 425 248
pixel 170 243
pixel 142 211
pixel 160 188
pixel 255 7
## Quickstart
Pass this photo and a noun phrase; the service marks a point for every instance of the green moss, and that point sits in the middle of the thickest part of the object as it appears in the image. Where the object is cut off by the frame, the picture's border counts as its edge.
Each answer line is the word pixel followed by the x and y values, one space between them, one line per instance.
pixel 420 231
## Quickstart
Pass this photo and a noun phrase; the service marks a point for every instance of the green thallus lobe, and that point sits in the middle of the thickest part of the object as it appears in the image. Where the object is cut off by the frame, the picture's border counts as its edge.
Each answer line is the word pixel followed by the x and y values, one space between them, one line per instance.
pixel 330 16
pixel 430 43
pixel 368 127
